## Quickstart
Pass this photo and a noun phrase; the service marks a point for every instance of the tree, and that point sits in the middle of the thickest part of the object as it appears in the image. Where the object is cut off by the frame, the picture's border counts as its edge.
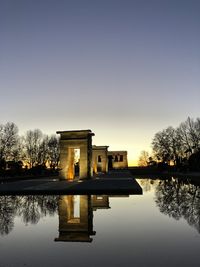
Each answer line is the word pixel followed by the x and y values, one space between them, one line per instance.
pixel 167 146
pixel 43 153
pixel 32 145
pixel 9 142
pixel 189 135
pixel 53 150
pixel 161 146
pixel 144 158
pixel 194 161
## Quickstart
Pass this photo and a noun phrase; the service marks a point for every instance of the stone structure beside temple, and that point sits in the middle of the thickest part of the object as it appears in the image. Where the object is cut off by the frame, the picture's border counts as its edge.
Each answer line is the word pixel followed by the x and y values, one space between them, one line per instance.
pixel 117 160
pixel 100 159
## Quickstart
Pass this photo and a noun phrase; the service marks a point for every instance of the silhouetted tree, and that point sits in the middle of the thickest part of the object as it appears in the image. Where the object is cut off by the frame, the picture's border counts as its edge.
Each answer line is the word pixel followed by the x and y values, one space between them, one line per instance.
pixel 162 145
pixel 34 150
pixel 167 146
pixel 43 153
pixel 144 158
pixel 32 146
pixel 189 135
pixel 194 161
pixel 178 144
pixel 41 149
pixel 53 151
pixel 9 142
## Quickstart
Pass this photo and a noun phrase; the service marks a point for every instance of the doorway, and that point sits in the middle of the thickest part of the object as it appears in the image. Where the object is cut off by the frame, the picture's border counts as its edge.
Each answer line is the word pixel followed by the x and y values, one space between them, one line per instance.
pixel 77 162
pixel 74 160
pixel 110 162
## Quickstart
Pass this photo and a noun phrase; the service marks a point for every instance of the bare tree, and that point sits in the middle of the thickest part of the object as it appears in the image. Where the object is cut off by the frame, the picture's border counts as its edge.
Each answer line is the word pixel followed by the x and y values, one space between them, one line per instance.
pixel 189 135
pixel 53 146
pixel 9 141
pixel 160 145
pixel 32 146
pixel 167 145
pixel 144 158
pixel 43 153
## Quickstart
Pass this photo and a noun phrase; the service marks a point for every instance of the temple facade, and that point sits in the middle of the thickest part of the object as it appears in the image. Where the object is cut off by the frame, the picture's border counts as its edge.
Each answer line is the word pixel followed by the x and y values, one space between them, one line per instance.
pixel 80 159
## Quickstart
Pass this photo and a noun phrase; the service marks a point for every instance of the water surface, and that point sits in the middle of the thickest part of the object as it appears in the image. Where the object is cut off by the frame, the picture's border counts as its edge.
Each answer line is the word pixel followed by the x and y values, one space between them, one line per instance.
pixel 159 228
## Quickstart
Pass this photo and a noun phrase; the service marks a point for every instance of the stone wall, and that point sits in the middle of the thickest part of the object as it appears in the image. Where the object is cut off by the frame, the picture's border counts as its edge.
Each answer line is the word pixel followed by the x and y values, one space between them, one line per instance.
pixel 119 159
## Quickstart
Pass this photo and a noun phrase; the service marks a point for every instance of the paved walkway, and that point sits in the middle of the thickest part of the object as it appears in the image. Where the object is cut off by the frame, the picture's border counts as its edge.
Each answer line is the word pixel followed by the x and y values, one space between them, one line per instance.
pixel 116 182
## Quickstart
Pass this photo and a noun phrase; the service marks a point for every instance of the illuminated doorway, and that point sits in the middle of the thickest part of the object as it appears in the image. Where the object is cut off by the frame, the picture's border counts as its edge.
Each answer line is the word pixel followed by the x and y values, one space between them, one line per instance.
pixel 73 163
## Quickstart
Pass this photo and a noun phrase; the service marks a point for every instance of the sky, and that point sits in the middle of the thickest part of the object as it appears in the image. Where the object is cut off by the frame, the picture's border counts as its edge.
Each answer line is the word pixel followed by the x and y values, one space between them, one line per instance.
pixel 125 69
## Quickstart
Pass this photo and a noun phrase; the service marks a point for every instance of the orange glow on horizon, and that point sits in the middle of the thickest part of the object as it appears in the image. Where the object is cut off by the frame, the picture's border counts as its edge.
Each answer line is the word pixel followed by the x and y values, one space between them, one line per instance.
pixel 132 162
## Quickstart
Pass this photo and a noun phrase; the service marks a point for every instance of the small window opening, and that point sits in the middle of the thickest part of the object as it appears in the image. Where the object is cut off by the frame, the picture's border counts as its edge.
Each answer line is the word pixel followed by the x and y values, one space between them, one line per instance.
pixel 121 158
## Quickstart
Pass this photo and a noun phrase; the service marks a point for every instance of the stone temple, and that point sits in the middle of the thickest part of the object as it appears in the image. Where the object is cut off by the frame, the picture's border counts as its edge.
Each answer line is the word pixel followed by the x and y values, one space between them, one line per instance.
pixel 80 159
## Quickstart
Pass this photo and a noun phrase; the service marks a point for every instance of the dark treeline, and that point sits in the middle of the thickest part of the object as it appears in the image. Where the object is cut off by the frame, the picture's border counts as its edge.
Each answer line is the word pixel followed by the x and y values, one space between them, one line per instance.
pixel 178 146
pixel 31 152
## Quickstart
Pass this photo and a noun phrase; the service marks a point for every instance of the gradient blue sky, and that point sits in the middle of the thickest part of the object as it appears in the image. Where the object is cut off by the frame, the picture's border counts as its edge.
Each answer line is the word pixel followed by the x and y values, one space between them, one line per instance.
pixel 125 69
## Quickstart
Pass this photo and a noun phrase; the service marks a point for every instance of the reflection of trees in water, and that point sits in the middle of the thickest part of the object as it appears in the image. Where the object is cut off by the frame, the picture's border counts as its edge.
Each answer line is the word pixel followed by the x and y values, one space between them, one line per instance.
pixel 34 207
pixel 30 208
pixel 179 200
pixel 7 214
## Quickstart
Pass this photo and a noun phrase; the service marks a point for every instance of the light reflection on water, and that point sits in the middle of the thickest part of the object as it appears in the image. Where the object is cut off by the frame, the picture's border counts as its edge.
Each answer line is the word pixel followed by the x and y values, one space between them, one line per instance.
pixel 159 228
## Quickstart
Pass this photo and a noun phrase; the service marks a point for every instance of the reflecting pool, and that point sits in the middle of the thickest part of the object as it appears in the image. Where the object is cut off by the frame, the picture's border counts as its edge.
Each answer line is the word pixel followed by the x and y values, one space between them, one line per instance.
pixel 159 228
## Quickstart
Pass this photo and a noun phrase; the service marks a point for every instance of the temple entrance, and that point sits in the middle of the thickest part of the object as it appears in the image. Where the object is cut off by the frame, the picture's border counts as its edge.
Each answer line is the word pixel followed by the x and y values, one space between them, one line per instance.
pixel 75 154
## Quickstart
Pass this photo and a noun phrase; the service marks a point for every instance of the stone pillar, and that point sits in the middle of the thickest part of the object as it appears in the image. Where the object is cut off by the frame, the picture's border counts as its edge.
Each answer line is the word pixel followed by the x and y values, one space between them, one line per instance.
pixel 63 162
pixel 71 171
pixel 84 170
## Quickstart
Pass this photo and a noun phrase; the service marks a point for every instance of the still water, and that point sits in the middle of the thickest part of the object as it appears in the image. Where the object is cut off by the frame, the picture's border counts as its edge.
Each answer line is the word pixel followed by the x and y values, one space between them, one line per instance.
pixel 159 228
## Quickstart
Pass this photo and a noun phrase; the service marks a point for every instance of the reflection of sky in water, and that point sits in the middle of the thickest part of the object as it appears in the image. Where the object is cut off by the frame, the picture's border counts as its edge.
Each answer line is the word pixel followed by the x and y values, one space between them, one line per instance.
pixel 77 206
pixel 132 233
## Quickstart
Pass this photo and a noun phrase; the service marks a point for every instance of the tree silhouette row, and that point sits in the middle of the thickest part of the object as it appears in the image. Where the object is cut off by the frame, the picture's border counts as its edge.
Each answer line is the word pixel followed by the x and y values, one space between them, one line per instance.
pixel 180 146
pixel 32 150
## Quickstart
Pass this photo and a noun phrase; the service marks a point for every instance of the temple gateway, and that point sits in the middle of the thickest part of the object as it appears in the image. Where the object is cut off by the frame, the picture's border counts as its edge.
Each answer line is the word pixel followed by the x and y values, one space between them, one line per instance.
pixel 79 159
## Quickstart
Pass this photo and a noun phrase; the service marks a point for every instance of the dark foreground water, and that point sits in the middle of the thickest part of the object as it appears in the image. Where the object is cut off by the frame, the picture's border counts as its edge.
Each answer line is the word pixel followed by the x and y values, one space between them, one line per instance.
pixel 159 228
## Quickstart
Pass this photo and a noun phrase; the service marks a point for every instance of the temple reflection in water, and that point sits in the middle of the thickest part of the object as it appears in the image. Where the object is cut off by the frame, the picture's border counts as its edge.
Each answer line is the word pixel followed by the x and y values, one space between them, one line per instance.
pixel 76 216
pixel 75 219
